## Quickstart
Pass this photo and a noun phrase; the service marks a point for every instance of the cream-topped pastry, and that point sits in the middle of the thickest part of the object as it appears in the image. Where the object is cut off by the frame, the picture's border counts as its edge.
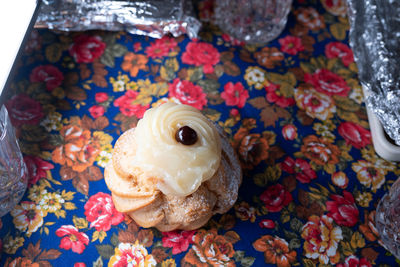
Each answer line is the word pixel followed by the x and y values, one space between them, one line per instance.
pixel 174 170
pixel 180 168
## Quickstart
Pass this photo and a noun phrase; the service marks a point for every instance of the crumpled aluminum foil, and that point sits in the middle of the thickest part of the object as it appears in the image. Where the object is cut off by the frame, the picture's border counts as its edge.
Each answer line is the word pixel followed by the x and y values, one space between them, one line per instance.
pixel 375 41
pixel 153 18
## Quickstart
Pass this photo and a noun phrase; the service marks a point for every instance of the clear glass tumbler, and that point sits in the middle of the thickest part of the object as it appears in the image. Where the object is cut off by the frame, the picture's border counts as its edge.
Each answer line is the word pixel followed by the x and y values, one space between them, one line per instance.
pixel 252 21
pixel 387 219
pixel 13 172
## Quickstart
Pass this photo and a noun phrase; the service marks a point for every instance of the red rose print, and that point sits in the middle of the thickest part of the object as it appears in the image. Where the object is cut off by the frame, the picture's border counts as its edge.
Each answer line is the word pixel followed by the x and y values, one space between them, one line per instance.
pixel 137 47
pixel 327 82
pixel 188 93
pixel 96 111
pixel 72 239
pixel 266 223
pixel 289 132
pixel 86 48
pixel 339 50
pixel 101 97
pixel 235 94
pixel 234 112
pixel 127 107
pixel 24 110
pixel 201 54
pixel 274 96
pixel 291 45
pixel 47 74
pixel 79 264
pixel 353 261
pixel 354 134
pixel 157 50
pixel 36 168
pixel 300 167
pixel 229 39
pixel 276 197
pixel 342 209
pixel 101 213
pixel 177 240
pixel 168 42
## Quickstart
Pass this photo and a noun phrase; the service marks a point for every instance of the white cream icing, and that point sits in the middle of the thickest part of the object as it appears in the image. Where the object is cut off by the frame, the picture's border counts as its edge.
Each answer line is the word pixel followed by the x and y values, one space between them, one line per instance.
pixel 180 168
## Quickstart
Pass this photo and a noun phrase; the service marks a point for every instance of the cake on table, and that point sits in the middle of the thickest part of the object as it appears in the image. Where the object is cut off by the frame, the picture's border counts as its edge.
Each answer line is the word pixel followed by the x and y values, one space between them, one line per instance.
pixel 174 170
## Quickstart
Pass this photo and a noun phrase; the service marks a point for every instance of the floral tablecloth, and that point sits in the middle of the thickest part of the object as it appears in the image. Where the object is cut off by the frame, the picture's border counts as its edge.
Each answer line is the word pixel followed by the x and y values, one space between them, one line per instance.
pixel 292 108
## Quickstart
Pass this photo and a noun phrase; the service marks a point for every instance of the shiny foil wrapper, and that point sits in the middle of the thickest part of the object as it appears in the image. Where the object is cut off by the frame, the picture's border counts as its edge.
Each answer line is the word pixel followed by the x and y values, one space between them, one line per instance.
pixel 152 18
pixel 375 41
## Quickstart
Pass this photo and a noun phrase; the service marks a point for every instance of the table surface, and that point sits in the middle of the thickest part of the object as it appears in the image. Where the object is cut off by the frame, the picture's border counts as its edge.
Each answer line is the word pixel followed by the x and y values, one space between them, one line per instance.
pixel 292 108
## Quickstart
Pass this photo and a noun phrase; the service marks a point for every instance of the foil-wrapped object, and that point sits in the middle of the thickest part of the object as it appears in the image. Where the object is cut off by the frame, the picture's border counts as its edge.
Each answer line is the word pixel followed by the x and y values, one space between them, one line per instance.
pixel 153 18
pixel 375 41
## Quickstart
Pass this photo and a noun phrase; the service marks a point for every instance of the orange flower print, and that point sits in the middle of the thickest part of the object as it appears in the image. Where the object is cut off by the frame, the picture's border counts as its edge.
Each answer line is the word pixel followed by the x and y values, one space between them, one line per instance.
pixel 320 151
pixel 79 150
pixel 310 18
pixel 269 57
pixel 321 239
pixel 252 148
pixel 315 104
pixel 27 217
pixel 245 212
pixel 22 262
pixel 133 63
pixel 127 254
pixel 368 228
pixel 369 174
pixel 340 179
pixel 276 251
pixel 210 249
